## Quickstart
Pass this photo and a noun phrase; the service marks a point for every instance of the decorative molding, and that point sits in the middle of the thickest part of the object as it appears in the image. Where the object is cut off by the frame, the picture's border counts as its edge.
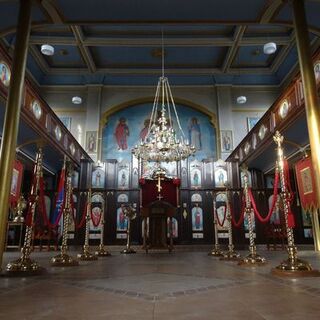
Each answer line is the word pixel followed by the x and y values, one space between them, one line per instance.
pixel 250 110
pixel 67 110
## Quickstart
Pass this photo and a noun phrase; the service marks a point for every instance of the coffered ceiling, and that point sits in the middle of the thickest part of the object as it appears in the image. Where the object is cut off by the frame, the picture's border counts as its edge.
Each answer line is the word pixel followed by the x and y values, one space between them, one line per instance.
pixel 116 42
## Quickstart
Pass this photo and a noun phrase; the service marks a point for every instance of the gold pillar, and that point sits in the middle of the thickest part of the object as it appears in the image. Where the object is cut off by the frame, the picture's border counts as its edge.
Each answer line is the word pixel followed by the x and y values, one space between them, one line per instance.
pixel 12 115
pixel 310 90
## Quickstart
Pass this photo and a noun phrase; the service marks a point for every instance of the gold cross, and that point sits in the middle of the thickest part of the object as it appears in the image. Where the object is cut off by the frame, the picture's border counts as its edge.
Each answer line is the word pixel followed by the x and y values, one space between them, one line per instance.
pixel 159 184
pixel 159 197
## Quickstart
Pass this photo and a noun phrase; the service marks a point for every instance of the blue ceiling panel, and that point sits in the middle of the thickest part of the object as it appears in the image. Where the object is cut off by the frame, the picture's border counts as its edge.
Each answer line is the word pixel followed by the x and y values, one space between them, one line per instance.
pixel 289 62
pixel 11 10
pixel 136 30
pixel 65 56
pixel 149 56
pixel 33 66
pixel 9 14
pixel 312 11
pixel 168 10
pixel 267 31
pixel 253 56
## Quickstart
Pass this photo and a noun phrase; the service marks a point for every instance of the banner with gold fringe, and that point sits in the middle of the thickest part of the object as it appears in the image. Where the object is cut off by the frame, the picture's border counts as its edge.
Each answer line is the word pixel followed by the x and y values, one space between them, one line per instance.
pixel 306 184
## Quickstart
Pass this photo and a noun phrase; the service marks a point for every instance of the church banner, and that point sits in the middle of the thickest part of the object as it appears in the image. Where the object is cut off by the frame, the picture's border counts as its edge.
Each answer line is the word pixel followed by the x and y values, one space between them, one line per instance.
pixel 306 184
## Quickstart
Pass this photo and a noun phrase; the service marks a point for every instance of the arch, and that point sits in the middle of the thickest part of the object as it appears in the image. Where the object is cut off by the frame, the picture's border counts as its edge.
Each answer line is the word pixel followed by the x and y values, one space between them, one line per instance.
pixel 104 117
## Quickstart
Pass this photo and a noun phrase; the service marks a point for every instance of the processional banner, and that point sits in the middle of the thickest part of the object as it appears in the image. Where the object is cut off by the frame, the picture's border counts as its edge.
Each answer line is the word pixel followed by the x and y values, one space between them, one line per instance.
pixel 306 184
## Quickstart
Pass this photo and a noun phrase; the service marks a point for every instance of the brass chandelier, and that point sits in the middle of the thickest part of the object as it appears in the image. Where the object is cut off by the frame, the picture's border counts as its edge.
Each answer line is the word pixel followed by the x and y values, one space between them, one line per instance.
pixel 162 142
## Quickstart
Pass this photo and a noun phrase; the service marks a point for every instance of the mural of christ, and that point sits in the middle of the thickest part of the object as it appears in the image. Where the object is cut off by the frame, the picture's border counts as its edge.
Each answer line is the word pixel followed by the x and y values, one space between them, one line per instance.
pixel 121 133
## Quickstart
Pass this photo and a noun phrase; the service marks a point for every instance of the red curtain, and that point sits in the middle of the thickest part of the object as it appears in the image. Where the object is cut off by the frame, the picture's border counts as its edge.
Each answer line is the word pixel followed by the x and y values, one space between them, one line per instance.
pixel 150 193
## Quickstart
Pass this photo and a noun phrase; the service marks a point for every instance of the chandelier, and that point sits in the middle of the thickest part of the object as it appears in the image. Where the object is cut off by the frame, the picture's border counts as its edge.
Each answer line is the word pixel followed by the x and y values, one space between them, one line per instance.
pixel 162 142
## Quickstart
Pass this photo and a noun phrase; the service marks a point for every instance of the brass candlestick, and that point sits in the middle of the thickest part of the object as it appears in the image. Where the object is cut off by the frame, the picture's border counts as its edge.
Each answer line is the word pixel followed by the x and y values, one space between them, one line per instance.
pixel 216 252
pixel 25 265
pixel 102 251
pixel 86 255
pixel 63 259
pixel 293 266
pixel 130 213
pixel 21 206
pixel 230 255
pixel 253 258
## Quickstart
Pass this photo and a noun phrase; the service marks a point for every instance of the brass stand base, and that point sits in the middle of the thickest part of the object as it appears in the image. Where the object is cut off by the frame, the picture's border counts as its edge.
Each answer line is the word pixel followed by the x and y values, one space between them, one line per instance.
pixel 230 256
pixel 295 268
pixel 64 260
pixel 128 251
pixel 86 256
pixel 26 267
pixel 215 253
pixel 253 259
pixel 18 219
pixel 102 252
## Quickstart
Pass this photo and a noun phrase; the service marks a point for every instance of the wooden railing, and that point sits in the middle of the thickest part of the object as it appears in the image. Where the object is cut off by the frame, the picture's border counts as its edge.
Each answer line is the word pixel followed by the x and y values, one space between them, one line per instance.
pixel 287 108
pixel 42 119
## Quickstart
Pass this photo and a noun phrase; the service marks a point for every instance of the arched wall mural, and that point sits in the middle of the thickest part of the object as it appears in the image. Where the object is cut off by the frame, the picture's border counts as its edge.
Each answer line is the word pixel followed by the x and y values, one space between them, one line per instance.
pixel 124 128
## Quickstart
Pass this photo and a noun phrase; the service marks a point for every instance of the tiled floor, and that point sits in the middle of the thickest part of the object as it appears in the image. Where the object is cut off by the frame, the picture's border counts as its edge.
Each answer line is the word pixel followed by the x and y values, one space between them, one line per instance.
pixel 182 285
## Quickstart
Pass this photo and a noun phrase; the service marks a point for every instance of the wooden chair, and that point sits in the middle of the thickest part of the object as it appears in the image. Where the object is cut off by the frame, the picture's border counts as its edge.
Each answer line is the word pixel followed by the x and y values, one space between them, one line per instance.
pixel 275 233
pixel 48 235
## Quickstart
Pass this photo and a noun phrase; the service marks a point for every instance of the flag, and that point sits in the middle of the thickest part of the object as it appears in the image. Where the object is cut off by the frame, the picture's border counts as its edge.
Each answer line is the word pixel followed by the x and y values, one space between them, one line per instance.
pixel 306 184
pixel 60 198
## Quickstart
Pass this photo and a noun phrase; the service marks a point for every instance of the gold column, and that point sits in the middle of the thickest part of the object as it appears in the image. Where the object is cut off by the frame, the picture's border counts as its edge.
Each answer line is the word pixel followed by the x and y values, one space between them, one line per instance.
pixel 86 255
pixel 216 252
pixel 293 266
pixel 12 115
pixel 230 255
pixel 253 258
pixel 310 90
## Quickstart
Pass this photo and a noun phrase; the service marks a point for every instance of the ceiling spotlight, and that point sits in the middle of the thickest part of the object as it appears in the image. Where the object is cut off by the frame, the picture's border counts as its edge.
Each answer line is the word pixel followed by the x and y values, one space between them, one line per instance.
pixel 76 100
pixel 47 50
pixel 241 100
pixel 270 48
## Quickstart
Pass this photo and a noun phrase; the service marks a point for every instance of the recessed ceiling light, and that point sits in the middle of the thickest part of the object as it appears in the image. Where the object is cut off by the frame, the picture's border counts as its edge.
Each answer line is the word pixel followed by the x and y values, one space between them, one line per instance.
pixel 76 100
pixel 47 50
pixel 241 99
pixel 270 48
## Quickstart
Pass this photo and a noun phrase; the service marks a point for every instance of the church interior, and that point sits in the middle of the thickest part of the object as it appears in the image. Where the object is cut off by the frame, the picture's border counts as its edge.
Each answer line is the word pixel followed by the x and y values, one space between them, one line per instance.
pixel 159 160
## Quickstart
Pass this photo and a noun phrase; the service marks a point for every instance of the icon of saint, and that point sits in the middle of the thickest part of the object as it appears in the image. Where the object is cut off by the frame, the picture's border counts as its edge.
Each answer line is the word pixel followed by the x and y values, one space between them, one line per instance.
pixel 144 131
pixel 3 75
pixel 121 133
pixel 195 133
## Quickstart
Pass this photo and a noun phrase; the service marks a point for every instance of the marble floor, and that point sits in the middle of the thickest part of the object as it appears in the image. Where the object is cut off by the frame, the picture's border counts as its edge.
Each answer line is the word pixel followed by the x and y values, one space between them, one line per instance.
pixel 184 285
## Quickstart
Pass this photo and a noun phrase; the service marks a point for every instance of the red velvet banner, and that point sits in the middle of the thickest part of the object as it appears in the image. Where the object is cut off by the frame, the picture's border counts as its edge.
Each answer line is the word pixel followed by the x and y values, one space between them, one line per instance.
pixel 16 182
pixel 306 184
pixel 150 191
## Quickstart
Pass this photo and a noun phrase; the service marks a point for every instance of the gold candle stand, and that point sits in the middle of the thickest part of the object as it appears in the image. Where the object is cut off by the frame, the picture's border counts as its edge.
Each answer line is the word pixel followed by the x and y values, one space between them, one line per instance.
pixel 86 255
pixel 253 258
pixel 63 259
pixel 131 215
pixel 230 255
pixel 216 252
pixel 293 266
pixel 25 266
pixel 102 251
pixel 21 205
